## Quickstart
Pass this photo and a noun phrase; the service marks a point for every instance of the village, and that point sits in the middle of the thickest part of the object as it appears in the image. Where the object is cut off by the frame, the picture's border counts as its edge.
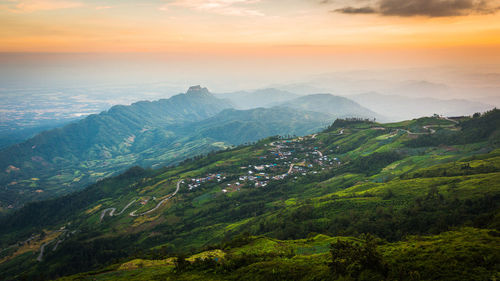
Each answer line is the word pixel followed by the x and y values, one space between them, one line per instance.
pixel 284 158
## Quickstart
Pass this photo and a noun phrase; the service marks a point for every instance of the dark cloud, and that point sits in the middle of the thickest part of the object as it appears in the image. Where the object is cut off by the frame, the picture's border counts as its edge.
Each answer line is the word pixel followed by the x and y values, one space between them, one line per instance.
pixel 433 8
pixel 352 10
pixel 429 8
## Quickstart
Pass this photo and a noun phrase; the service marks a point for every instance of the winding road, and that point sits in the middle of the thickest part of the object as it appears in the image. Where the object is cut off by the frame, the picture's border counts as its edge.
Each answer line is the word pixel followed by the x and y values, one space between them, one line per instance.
pixel 57 244
pixel 59 241
pixel 42 248
pixel 112 210
pixel 133 214
pixel 428 128
pixel 451 120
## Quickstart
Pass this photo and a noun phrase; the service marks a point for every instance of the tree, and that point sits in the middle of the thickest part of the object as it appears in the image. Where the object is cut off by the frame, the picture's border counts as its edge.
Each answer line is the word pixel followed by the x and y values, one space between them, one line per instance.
pixel 388 195
pixel 357 261
pixel 181 264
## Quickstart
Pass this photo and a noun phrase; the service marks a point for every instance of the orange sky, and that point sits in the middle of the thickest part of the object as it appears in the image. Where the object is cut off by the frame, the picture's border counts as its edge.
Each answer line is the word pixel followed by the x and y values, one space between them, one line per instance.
pixel 251 28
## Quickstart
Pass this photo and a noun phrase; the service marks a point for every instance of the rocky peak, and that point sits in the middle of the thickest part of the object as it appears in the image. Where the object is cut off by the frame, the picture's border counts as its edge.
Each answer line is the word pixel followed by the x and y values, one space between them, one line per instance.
pixel 198 91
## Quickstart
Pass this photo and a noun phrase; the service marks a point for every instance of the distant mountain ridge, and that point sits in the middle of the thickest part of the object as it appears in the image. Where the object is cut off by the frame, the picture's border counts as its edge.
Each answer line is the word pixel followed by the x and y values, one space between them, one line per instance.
pixel 86 150
pixel 145 133
pixel 259 98
pixel 239 126
pixel 112 127
pixel 337 106
pixel 397 107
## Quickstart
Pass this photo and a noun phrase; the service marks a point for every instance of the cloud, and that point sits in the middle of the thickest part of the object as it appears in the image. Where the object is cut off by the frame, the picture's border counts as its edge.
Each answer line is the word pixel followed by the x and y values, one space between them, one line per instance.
pixel 27 6
pixel 428 8
pixel 103 7
pixel 224 7
pixel 352 10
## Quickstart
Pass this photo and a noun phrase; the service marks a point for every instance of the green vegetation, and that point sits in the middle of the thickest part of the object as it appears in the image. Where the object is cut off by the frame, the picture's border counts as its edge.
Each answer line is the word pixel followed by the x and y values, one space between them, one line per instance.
pixel 463 254
pixel 148 134
pixel 329 206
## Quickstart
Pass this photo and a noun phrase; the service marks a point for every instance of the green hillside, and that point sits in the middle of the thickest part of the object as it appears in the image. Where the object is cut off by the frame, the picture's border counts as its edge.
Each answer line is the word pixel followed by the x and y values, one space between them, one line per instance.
pixel 60 160
pixel 148 134
pixel 428 189
pixel 240 126
pixel 313 258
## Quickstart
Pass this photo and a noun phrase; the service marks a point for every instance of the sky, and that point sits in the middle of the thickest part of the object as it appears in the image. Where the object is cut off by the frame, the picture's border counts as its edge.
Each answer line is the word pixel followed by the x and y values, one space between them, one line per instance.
pixel 245 26
pixel 257 39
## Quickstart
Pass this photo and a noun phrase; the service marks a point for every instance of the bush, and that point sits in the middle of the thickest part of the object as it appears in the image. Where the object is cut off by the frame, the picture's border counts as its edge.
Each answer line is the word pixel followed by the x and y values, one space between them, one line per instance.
pixel 358 261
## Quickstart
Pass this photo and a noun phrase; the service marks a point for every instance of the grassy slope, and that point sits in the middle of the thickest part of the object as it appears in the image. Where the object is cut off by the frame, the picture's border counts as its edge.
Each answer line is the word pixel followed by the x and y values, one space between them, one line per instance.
pixel 408 196
pixel 462 254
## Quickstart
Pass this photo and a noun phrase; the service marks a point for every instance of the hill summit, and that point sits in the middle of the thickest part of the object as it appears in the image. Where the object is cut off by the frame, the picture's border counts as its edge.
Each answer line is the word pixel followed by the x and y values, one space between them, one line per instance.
pixel 198 91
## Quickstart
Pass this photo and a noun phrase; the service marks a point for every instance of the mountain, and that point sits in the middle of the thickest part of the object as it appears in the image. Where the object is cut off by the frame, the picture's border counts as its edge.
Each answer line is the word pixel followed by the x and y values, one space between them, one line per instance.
pixel 421 88
pixel 259 98
pixel 149 134
pixel 11 134
pixel 335 106
pixel 329 104
pixel 59 160
pixel 358 200
pixel 240 126
pixel 401 108
pixel 301 88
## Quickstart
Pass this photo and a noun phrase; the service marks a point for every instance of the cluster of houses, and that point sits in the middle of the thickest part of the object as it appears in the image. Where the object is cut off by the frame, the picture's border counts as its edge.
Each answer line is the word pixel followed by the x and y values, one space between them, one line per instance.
pixel 231 187
pixel 285 153
pixel 196 182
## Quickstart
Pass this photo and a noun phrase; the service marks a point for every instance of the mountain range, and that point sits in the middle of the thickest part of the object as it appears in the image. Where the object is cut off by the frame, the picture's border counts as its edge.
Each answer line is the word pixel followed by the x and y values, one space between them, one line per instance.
pixel 397 107
pixel 338 106
pixel 151 134
pixel 258 98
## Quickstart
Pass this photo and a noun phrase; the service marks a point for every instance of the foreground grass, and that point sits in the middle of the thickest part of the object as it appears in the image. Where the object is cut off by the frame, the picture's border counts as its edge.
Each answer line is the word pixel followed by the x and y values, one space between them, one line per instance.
pixel 462 254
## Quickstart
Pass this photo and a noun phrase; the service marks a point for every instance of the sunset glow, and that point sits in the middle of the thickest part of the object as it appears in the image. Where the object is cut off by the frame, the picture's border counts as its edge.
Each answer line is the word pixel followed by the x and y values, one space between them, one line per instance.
pixel 235 26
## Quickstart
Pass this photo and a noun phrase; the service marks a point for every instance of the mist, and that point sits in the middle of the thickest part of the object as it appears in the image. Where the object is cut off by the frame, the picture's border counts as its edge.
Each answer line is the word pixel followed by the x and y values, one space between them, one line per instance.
pixel 73 85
